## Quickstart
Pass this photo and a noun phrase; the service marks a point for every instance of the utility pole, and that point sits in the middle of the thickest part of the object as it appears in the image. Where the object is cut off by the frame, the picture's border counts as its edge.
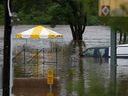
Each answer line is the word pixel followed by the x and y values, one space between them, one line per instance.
pixel 113 64
pixel 113 54
pixel 7 49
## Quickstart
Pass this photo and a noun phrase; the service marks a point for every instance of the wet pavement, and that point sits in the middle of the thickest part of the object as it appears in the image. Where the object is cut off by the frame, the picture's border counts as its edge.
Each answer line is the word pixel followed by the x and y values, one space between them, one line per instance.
pixel 81 76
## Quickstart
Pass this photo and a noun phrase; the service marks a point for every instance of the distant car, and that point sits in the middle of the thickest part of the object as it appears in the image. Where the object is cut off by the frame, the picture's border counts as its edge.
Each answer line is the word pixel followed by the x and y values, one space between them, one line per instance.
pixel 104 52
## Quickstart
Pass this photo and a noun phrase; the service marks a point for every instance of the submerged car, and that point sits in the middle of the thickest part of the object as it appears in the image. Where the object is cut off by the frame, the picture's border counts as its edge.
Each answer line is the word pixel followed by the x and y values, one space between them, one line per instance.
pixel 122 52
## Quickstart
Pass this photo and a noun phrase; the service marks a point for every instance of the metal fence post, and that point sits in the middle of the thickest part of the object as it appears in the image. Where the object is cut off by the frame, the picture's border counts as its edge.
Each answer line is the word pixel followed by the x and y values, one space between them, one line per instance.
pixel 24 60
pixel 113 62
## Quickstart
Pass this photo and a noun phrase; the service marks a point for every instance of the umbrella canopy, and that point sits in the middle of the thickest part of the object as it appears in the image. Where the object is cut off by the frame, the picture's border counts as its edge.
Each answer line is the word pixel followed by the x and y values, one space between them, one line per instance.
pixel 39 32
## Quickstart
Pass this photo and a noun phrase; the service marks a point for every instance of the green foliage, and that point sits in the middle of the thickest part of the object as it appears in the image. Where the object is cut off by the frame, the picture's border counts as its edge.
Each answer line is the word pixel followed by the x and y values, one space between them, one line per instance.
pixel 53 11
pixel 92 12
pixel 118 23
pixel 56 14
pixel 1 14
pixel 78 9
pixel 32 11
pixel 93 20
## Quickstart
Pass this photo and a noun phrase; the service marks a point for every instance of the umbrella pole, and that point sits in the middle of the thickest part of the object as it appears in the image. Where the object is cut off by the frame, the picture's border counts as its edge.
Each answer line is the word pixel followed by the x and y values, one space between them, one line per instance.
pixel 26 41
pixel 56 62
pixel 43 62
pixel 24 60
pixel 37 64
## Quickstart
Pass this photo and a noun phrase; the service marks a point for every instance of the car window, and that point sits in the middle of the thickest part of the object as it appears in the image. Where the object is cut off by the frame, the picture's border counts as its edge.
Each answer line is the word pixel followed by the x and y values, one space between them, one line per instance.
pixel 89 52
pixel 96 52
pixel 102 52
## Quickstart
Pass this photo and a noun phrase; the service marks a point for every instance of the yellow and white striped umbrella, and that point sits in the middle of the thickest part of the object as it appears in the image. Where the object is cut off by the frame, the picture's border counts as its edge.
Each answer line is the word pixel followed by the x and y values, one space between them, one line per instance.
pixel 39 32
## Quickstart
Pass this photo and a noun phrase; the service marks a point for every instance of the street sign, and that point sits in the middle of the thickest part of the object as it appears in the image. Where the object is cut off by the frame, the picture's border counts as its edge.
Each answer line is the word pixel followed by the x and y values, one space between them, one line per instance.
pixel 105 10
pixel 116 8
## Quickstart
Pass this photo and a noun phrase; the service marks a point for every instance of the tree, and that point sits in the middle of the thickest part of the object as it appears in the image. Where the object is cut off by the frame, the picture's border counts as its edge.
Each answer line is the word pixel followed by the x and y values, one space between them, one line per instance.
pixel 77 19
pixel 31 11
pixel 72 12
pixel 75 15
pixel 1 14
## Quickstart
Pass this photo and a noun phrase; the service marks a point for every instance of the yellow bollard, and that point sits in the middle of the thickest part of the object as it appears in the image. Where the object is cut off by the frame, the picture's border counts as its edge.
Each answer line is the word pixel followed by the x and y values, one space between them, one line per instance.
pixel 50 94
pixel 50 76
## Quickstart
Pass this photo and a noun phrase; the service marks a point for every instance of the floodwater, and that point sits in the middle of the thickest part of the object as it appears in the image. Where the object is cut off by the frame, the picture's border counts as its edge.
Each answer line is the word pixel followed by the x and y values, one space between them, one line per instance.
pixel 76 76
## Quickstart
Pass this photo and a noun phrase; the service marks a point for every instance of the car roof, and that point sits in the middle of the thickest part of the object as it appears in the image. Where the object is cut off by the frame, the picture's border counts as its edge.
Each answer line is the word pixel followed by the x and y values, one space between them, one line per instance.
pixel 123 45
pixel 98 47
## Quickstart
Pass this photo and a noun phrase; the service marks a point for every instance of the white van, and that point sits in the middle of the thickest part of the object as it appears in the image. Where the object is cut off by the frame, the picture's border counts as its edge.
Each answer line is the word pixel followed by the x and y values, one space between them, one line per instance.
pixel 122 50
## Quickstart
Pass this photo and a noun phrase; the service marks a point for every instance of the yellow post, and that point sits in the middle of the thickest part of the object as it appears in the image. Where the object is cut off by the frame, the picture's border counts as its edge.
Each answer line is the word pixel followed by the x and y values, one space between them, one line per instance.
pixel 50 80
pixel 50 76
pixel 50 94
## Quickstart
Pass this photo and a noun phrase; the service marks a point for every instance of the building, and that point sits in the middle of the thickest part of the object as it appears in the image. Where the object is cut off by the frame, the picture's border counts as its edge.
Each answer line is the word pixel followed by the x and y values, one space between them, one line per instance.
pixel 113 8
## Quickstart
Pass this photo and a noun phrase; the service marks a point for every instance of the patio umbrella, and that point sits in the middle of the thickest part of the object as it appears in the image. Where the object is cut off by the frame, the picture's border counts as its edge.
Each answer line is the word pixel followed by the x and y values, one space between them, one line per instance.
pixel 39 32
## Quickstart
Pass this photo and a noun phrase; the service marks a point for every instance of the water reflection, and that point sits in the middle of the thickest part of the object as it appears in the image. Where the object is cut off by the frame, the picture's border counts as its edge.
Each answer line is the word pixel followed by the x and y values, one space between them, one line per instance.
pixel 34 87
pixel 123 87
pixel 85 76
pixel 89 76
pixel 77 76
pixel 80 87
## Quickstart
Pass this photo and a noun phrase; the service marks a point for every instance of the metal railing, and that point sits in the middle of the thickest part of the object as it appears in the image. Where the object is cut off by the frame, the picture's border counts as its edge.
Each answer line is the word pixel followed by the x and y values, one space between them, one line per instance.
pixel 36 57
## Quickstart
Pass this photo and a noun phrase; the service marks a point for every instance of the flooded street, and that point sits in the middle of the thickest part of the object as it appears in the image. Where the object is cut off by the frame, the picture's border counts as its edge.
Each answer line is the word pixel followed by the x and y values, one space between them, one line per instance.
pixel 75 76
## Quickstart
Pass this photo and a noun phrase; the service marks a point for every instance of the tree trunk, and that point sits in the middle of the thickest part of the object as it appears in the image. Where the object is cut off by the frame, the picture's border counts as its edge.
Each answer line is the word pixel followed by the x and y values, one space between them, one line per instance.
pixel 125 38
pixel 77 32
pixel 121 34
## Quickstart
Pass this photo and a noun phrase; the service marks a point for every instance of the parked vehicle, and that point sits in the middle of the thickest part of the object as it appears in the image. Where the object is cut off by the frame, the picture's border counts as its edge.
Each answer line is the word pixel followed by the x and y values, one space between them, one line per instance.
pixel 122 52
